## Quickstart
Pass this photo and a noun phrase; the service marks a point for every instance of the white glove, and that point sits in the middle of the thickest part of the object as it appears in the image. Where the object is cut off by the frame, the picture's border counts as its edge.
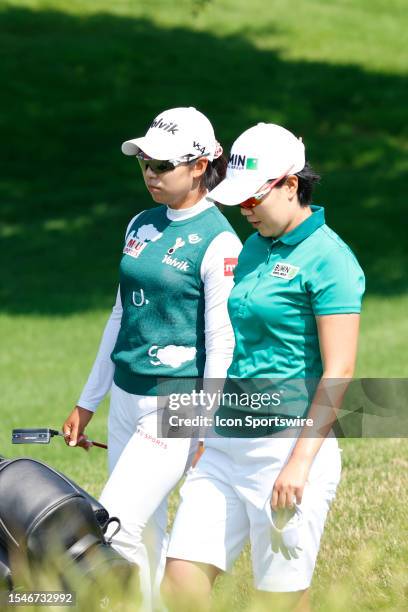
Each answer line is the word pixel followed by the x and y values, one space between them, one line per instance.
pixel 285 530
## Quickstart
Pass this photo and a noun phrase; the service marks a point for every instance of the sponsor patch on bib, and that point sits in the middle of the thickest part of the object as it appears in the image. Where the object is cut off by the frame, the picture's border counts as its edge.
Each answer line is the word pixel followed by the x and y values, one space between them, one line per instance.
pixel 136 242
pixel 285 270
pixel 229 265
pixel 134 247
pixel 194 238
pixel 179 264
pixel 177 245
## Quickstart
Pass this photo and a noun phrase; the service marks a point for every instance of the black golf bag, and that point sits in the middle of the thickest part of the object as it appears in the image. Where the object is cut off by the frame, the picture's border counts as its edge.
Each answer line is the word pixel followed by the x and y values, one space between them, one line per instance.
pixel 5 571
pixel 47 519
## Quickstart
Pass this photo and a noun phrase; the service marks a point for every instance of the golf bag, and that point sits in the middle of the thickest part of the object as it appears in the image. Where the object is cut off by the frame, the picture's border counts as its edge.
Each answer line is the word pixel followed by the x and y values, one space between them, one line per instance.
pixel 5 571
pixel 46 516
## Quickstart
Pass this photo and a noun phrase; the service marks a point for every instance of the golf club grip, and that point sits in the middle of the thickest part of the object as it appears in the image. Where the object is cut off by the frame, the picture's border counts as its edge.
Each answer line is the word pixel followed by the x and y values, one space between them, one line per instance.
pixel 99 444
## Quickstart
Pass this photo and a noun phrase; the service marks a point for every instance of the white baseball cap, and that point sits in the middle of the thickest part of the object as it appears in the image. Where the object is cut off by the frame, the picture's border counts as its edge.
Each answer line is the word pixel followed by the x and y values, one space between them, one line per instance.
pixel 175 133
pixel 263 152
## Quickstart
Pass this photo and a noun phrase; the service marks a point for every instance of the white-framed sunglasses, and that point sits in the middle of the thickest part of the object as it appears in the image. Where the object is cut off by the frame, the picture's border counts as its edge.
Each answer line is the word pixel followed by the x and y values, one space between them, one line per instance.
pixel 259 196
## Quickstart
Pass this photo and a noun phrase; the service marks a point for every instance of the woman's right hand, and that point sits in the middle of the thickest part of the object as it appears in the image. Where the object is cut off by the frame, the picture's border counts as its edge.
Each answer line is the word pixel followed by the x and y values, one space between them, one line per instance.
pixel 74 426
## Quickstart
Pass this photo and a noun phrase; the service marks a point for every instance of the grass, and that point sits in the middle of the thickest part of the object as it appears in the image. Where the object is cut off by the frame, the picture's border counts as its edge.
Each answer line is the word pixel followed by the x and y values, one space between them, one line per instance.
pixel 81 76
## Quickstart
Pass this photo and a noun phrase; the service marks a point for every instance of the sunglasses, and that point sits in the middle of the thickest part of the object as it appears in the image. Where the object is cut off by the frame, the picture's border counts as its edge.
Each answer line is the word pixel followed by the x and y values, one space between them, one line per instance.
pixel 159 166
pixel 258 197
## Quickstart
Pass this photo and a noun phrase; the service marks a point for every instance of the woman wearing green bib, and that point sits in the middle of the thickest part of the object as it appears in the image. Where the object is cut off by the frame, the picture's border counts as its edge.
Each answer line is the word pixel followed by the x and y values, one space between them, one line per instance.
pixel 170 321
pixel 295 313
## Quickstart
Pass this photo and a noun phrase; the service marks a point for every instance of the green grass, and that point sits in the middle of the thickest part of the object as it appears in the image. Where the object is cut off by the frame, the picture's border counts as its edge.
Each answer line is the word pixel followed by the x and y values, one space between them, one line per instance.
pixel 78 78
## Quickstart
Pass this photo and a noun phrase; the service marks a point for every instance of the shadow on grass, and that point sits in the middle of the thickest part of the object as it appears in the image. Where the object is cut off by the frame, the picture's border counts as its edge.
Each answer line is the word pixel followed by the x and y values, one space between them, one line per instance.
pixel 74 88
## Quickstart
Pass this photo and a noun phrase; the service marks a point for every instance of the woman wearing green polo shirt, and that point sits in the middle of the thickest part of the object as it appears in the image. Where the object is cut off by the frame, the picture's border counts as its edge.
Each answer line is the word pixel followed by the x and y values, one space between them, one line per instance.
pixel 295 313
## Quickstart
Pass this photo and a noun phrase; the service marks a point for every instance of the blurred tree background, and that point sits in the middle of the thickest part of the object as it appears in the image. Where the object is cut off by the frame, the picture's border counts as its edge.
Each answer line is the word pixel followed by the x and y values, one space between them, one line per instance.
pixel 79 77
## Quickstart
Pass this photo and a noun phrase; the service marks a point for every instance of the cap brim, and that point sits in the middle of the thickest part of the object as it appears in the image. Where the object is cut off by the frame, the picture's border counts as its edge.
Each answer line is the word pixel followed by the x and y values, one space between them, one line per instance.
pixel 152 149
pixel 233 191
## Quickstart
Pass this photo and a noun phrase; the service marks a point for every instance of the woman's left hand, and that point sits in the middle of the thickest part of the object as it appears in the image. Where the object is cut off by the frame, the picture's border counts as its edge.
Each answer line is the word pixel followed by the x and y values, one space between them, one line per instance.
pixel 289 484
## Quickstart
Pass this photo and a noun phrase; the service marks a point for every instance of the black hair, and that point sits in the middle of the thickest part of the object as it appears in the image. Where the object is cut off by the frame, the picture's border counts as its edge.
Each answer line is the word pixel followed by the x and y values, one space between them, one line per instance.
pixel 307 178
pixel 214 173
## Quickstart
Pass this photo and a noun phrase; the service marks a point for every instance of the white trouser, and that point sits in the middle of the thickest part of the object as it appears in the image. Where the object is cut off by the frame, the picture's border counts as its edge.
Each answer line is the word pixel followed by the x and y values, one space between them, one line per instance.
pixel 143 471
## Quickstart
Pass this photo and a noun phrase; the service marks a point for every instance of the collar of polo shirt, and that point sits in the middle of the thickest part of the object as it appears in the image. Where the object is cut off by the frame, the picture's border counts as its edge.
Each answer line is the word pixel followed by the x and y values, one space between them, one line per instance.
pixel 304 229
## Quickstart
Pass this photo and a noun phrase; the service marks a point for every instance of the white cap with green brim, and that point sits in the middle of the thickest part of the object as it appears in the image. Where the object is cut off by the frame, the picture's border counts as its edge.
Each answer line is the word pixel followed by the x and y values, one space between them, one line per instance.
pixel 263 152
pixel 174 134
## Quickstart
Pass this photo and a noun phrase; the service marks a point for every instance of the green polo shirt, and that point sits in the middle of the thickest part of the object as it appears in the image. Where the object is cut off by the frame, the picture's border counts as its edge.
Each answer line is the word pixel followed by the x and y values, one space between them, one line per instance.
pixel 280 286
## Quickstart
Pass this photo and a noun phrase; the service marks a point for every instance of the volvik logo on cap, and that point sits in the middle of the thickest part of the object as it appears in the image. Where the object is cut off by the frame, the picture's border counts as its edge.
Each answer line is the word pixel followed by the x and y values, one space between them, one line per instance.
pixel 242 162
pixel 192 131
pixel 171 127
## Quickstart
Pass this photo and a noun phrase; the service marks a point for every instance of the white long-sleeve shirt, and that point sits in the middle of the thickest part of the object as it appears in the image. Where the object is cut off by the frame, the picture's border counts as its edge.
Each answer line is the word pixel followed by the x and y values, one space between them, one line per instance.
pixel 219 337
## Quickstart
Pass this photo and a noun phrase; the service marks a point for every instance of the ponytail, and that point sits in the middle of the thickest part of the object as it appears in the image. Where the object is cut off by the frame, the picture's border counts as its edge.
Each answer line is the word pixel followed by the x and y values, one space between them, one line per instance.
pixel 214 173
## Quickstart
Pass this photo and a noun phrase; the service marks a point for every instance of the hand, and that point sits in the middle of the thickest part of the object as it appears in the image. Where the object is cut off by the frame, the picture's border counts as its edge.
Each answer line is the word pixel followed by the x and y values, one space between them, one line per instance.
pixel 290 484
pixel 73 428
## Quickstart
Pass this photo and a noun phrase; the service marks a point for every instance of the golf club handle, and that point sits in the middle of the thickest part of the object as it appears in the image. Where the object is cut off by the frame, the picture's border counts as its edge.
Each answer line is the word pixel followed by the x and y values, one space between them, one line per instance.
pixel 99 444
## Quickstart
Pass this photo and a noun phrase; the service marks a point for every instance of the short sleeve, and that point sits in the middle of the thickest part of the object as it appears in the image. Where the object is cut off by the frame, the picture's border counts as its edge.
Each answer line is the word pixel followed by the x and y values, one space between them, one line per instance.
pixel 337 284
